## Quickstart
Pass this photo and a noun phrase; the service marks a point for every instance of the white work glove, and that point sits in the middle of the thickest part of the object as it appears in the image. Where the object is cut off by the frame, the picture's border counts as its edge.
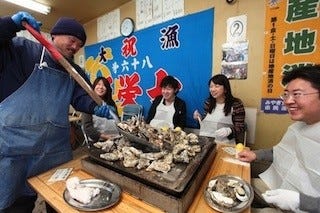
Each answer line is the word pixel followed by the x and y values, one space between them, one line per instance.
pixel 284 199
pixel 223 132
pixel 197 115
pixel 79 192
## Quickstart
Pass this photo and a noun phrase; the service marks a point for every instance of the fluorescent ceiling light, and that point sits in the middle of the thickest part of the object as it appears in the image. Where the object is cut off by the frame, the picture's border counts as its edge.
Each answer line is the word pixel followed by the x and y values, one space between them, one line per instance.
pixel 32 5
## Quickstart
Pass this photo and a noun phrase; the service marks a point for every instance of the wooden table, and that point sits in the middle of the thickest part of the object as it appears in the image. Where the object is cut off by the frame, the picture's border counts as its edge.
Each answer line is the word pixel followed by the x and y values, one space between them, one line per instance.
pixel 53 192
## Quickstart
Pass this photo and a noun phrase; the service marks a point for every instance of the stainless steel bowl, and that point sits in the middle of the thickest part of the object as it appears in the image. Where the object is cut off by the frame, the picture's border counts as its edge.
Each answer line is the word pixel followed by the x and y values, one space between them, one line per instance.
pixel 109 195
pixel 239 206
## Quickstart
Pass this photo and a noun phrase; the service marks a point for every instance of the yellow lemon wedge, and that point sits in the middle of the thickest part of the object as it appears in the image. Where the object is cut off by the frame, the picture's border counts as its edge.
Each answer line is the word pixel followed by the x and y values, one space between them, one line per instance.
pixel 239 147
pixel 164 128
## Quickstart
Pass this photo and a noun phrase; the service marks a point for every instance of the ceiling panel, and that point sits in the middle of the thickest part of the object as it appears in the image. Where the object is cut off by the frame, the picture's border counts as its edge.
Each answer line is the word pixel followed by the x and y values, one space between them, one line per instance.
pixel 81 10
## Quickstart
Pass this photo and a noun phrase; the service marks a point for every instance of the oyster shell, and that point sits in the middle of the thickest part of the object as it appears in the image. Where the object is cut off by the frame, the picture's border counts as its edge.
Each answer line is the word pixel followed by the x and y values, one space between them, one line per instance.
pixel 193 138
pixel 152 155
pixel 130 162
pixel 143 163
pixel 181 157
pixel 160 166
pixel 175 145
pixel 212 183
pixel 241 194
pixel 222 199
pixel 168 158
pixel 112 156
pixel 108 145
pixel 129 158
pixel 135 151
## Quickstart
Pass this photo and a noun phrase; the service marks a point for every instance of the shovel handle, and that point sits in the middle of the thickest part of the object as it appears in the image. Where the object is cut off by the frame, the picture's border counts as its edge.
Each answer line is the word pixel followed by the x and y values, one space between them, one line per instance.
pixel 59 57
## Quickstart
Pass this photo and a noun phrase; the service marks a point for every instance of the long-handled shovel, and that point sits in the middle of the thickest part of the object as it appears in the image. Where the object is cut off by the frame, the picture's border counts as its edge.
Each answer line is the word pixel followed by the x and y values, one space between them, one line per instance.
pixel 71 70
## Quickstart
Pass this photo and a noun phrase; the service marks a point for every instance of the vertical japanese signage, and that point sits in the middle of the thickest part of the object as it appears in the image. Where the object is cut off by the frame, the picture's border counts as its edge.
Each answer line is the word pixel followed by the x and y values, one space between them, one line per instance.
pixel 136 65
pixel 291 39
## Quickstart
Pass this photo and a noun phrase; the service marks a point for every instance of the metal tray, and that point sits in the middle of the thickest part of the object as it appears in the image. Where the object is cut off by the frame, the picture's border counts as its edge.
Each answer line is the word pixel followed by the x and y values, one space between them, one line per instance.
pixel 109 195
pixel 139 142
pixel 241 206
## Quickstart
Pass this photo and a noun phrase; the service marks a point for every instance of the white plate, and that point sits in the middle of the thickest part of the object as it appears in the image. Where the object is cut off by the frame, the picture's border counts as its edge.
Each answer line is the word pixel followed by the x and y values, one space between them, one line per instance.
pixel 239 206
pixel 108 196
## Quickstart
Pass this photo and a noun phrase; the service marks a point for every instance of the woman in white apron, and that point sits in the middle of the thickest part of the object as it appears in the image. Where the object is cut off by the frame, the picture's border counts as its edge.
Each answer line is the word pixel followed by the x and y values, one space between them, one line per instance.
pixel 224 114
pixel 98 128
pixel 168 110
pixel 292 180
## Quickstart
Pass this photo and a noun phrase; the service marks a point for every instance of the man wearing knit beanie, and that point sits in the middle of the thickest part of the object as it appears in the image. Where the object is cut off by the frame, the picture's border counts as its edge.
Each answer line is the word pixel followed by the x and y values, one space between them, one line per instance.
pixel 69 26
pixel 68 36
pixel 35 96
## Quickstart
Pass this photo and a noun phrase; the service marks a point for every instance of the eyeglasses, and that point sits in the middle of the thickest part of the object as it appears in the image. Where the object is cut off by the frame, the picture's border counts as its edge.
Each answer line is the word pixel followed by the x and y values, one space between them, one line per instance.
pixel 295 95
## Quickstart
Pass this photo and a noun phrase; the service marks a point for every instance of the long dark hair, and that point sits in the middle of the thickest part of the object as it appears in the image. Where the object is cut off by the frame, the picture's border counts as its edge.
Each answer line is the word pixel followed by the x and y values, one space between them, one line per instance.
pixel 108 96
pixel 211 102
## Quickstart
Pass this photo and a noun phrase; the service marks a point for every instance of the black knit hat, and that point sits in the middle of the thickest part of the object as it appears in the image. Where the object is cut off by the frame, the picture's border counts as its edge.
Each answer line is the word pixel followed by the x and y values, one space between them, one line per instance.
pixel 69 26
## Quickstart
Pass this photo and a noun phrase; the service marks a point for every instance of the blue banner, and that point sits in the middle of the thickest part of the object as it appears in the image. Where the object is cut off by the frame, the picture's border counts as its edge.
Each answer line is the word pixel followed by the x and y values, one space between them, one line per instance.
pixel 273 105
pixel 136 65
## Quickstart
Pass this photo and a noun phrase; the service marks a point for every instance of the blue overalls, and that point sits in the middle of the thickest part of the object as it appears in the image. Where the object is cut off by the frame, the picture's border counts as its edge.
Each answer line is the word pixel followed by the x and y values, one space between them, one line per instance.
pixel 34 131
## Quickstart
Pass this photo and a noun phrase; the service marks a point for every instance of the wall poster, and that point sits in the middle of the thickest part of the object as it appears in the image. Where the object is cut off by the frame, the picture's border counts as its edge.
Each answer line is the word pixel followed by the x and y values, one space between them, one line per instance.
pixel 135 65
pixel 235 60
pixel 291 39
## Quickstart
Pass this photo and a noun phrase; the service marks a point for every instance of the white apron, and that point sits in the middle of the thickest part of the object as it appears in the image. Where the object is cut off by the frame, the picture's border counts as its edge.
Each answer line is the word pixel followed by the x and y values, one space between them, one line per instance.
pixel 296 160
pixel 164 115
pixel 214 121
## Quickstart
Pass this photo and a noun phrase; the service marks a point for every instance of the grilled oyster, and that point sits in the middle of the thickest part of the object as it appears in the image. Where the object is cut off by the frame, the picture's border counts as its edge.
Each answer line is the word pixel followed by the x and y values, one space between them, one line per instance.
pixel 143 163
pixel 112 156
pixel 175 145
pixel 160 166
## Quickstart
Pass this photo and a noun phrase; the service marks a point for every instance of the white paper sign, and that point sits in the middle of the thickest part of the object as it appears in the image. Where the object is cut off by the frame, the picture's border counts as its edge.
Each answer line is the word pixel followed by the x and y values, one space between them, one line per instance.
pixel 60 174
pixel 108 26
pixel 237 29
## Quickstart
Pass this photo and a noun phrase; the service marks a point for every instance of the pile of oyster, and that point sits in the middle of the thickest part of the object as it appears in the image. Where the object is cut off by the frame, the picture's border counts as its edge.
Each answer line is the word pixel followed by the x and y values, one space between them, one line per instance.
pixel 227 192
pixel 164 138
pixel 182 147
